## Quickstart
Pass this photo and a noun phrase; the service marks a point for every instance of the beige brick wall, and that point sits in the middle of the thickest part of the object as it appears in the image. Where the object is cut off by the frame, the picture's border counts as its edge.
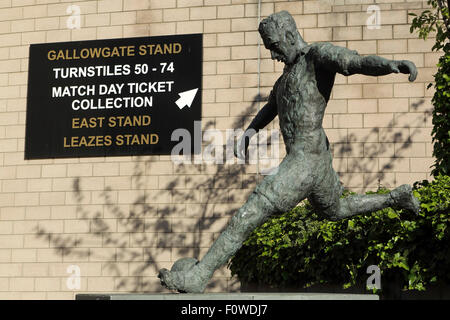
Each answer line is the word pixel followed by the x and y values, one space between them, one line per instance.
pixel 120 219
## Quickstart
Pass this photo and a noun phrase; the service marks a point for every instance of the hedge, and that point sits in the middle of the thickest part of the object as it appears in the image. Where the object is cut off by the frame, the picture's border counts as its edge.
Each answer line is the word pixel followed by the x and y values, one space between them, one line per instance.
pixel 297 249
pixel 441 115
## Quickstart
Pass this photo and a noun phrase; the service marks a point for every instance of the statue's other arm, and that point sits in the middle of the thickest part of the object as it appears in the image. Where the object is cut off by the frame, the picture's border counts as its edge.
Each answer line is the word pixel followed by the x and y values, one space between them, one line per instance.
pixel 262 119
pixel 348 62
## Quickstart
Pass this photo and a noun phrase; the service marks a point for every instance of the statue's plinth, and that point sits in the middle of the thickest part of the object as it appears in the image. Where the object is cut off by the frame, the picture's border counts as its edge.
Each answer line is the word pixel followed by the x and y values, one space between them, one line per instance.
pixel 228 296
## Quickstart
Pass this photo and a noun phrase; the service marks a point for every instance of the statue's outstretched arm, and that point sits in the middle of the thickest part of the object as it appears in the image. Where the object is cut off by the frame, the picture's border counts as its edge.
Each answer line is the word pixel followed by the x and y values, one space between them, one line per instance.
pixel 262 119
pixel 348 62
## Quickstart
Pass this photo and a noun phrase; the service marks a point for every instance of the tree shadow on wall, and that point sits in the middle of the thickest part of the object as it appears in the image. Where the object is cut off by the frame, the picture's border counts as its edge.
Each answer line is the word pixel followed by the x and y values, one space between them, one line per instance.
pixel 378 154
pixel 132 241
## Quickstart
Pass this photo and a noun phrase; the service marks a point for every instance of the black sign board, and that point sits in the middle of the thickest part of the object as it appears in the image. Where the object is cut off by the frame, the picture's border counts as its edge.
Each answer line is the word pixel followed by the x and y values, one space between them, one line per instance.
pixel 112 97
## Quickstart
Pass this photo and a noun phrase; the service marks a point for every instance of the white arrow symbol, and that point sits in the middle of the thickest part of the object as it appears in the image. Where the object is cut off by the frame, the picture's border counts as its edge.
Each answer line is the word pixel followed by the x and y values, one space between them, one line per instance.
pixel 186 98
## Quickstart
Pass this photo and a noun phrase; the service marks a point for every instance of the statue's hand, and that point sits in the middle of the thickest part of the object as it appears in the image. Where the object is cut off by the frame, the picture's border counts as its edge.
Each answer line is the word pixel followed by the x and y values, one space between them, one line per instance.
pixel 405 66
pixel 240 148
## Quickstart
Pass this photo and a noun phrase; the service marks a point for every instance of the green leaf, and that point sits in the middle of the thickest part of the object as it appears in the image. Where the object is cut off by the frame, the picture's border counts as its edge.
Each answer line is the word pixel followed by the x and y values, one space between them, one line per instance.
pixel 351 224
pixel 392 214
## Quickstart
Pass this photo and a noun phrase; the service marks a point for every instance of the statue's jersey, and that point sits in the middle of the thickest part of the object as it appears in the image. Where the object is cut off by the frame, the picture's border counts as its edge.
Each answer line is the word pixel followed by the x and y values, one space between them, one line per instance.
pixel 301 102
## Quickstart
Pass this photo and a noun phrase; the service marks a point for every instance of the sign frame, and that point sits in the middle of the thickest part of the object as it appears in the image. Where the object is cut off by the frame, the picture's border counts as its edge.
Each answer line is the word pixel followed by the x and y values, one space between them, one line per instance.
pixel 166 98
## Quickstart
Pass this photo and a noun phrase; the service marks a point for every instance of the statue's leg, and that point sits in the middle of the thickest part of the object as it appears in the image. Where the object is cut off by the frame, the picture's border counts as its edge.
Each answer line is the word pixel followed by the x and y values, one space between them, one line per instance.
pixel 326 198
pixel 276 193
pixel 399 198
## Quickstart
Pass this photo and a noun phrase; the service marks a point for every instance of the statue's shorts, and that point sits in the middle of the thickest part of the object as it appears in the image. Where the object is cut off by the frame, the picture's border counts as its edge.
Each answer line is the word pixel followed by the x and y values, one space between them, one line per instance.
pixel 299 176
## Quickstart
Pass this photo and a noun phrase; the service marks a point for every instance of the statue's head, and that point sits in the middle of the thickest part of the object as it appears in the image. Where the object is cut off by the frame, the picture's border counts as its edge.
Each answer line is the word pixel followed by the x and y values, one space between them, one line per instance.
pixel 280 35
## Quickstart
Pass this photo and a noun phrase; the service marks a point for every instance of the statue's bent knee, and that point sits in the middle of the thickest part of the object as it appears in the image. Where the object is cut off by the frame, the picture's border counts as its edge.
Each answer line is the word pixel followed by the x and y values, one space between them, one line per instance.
pixel 252 214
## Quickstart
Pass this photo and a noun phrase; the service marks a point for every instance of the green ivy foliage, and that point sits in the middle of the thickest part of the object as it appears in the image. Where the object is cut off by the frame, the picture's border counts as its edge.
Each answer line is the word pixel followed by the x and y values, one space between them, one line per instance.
pixel 434 20
pixel 441 116
pixel 298 249
pixel 437 20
